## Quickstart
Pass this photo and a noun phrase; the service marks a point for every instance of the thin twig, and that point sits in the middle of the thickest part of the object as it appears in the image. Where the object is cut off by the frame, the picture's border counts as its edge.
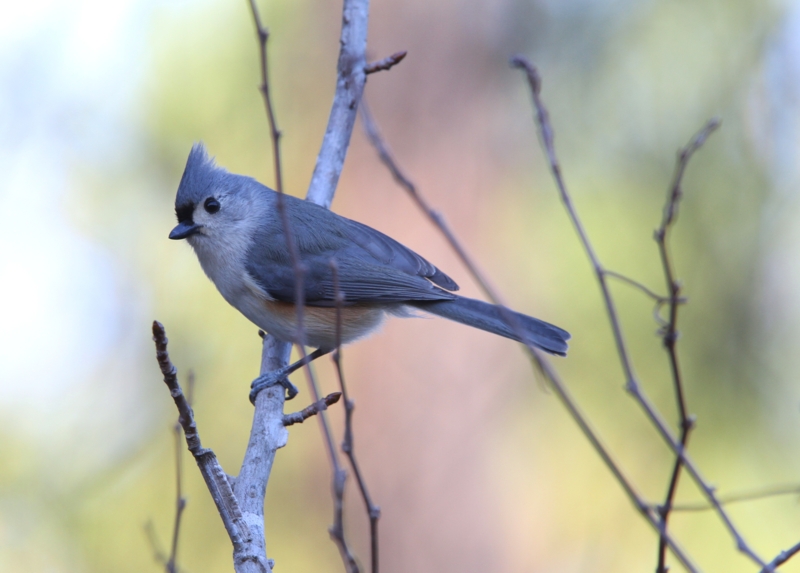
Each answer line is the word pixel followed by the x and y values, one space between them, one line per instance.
pixel 180 500
pixel 670 331
pixel 275 133
pixel 350 84
pixel 377 141
pixel 637 500
pixel 265 436
pixel 216 480
pixel 312 410
pixel 782 558
pixel 348 447
pixel 336 530
pixel 538 358
pixel 350 81
pixel 631 383
pixel 737 498
pixel 291 243
pixel 152 539
pixel 636 284
pixel 386 63
pixel 170 563
pixel 339 481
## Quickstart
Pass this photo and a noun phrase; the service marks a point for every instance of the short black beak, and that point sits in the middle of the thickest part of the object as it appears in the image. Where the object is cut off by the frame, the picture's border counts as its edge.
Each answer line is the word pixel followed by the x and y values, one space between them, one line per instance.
pixel 183 230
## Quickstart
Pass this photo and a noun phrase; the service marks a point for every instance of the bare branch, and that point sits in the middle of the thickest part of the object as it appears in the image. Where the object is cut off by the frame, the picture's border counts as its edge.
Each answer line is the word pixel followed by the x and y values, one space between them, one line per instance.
pixel 580 419
pixel 268 432
pixel 670 331
pixel 373 511
pixel 275 133
pixel 152 539
pixel 180 501
pixel 377 141
pixel 349 87
pixel 632 385
pixel 636 284
pixel 537 357
pixel 299 269
pixel 312 410
pixel 245 558
pixel 782 558
pixel 267 435
pixel 336 530
pixel 739 497
pixel 351 78
pixel 676 192
pixel 386 63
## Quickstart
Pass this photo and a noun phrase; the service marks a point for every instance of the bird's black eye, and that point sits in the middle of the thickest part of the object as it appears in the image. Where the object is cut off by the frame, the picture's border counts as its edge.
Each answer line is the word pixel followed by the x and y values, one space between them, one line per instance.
pixel 211 205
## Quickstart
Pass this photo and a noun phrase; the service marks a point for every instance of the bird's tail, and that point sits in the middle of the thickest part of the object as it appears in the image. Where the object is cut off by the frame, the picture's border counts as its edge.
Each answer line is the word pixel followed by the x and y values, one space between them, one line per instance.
pixel 501 321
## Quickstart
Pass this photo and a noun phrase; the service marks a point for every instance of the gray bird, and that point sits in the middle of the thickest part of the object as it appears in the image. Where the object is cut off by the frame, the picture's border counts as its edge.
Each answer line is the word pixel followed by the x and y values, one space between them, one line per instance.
pixel 233 225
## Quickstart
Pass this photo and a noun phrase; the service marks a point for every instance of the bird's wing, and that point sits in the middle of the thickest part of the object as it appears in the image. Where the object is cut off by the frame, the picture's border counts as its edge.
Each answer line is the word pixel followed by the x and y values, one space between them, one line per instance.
pixel 371 267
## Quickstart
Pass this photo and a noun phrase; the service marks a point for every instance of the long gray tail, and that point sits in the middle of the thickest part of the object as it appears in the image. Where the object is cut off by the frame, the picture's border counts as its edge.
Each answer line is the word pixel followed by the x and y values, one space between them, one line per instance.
pixel 497 320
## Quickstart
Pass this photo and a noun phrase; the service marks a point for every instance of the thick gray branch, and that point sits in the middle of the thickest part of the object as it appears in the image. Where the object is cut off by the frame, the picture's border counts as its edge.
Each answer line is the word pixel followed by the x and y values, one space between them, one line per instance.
pixel 268 432
pixel 351 77
pixel 266 436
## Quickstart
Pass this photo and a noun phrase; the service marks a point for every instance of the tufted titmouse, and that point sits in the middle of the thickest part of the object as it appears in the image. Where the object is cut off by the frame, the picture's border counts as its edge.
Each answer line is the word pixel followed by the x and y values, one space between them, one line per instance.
pixel 233 225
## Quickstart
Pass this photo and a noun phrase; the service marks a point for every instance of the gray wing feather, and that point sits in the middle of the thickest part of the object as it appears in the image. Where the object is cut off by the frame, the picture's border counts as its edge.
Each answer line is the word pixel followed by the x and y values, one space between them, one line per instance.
pixel 372 267
pixel 390 252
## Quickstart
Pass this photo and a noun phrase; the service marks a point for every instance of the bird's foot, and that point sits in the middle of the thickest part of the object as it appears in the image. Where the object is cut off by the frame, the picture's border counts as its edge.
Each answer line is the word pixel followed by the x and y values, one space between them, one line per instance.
pixel 274 378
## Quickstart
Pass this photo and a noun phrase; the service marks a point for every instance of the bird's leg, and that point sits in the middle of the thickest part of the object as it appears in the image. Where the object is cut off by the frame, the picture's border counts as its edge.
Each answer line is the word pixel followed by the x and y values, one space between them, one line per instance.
pixel 281 376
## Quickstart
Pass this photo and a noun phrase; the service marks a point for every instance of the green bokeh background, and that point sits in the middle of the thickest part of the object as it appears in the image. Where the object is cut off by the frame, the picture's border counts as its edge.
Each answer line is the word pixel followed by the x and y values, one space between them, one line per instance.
pixel 475 464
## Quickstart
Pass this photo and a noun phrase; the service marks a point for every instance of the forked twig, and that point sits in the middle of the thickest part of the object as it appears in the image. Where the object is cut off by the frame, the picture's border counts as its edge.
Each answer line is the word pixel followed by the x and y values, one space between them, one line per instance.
pixel 216 480
pixel 288 235
pixel 738 498
pixel 541 362
pixel 670 330
pixel 631 383
pixel 170 562
pixel 636 284
pixel 350 84
pixel 781 558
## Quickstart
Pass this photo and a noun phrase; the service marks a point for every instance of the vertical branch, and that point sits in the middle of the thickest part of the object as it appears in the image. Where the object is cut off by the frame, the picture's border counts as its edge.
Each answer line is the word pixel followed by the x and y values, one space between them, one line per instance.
pixel 350 80
pixel 180 501
pixel 337 529
pixel 275 133
pixel 267 435
pixel 299 269
pixel 373 511
pixel 170 563
pixel 631 383
pixel 350 84
pixel 670 331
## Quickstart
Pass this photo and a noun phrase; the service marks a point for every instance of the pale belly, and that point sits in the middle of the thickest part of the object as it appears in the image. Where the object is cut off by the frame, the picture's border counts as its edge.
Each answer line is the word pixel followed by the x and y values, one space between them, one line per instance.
pixel 319 323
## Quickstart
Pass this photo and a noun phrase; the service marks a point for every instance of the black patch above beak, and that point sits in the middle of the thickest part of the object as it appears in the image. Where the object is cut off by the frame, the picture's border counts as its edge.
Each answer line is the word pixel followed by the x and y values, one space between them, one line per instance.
pixel 184 229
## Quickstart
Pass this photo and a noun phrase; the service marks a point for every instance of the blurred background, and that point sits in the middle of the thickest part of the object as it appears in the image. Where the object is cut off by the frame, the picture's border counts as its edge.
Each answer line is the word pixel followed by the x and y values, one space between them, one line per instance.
pixel 474 463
